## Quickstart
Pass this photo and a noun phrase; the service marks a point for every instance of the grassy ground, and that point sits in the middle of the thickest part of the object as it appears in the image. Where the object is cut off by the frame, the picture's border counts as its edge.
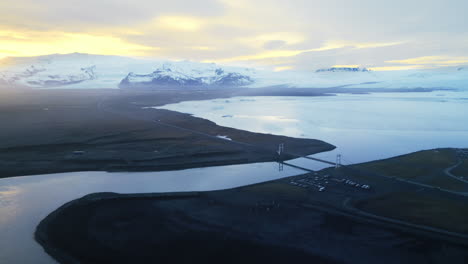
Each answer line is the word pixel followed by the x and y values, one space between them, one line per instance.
pixel 414 165
pixel 461 170
pixel 426 167
pixel 421 209
pixel 278 189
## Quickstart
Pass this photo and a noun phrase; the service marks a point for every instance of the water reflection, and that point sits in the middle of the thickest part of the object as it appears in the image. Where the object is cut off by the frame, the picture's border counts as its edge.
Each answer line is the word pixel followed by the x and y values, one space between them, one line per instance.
pixel 364 127
pixel 24 201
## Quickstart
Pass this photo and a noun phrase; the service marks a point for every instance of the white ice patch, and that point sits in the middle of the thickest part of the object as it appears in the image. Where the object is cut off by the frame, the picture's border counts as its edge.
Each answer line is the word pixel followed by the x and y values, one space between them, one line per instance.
pixel 223 137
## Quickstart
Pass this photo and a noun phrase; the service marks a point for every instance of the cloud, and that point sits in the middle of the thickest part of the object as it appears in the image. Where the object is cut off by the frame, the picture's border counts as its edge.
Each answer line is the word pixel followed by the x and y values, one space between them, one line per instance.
pixel 275 39
pixel 179 23
pixel 275 44
pixel 265 55
pixel 303 34
pixel 269 54
pixel 39 43
pixel 283 68
pixel 432 60
pixel 395 68
pixel 80 15
pixel 329 45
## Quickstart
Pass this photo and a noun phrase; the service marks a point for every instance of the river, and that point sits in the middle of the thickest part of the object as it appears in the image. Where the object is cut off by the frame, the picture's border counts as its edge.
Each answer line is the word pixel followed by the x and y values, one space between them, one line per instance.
pixel 25 201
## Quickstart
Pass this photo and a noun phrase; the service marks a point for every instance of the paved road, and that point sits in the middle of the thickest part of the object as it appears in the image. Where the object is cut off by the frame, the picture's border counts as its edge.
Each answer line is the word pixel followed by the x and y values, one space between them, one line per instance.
pixel 448 172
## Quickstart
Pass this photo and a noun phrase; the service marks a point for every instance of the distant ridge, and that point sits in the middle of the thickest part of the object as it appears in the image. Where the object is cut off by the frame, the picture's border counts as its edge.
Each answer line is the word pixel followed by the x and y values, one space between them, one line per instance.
pixel 88 71
pixel 343 69
pixel 179 74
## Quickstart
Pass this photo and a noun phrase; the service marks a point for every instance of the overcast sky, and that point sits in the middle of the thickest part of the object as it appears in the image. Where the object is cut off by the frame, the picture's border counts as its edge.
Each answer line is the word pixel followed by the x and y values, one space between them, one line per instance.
pixel 281 34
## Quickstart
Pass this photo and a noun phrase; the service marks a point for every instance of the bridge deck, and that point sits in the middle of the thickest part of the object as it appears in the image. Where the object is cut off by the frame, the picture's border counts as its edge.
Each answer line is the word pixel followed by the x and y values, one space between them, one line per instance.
pixel 297 167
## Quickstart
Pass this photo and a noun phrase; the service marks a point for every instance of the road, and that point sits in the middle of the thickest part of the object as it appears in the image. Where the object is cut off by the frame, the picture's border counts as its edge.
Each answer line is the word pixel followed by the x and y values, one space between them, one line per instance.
pixel 403 224
pixel 448 172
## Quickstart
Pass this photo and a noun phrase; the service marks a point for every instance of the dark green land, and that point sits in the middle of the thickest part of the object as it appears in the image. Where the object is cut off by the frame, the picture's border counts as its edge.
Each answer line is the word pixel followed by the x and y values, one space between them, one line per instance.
pixel 441 199
pixel 42 130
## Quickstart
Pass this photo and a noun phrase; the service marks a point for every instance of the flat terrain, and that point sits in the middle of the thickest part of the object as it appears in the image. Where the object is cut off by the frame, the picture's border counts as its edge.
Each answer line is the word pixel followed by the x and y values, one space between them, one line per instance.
pixel 462 170
pixel 49 131
pixel 442 212
pixel 441 195
pixel 430 167
pixel 344 215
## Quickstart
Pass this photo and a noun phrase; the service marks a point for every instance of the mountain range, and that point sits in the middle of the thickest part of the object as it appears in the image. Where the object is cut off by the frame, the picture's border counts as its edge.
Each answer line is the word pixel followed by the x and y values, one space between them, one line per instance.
pixel 77 70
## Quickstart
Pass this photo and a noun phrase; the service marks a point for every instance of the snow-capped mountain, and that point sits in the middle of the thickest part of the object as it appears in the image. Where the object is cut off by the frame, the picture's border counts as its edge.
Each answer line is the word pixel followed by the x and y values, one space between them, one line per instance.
pixel 97 71
pixel 441 78
pixel 343 69
pixel 188 74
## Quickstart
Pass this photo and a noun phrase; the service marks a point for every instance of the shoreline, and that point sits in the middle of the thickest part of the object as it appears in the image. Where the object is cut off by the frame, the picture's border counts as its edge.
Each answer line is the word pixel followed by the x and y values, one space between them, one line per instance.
pixel 269 203
pixel 24 151
pixel 114 132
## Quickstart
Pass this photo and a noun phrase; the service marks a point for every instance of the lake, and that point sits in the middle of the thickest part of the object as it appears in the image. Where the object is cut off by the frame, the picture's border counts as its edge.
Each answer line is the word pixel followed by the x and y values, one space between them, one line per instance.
pixel 364 127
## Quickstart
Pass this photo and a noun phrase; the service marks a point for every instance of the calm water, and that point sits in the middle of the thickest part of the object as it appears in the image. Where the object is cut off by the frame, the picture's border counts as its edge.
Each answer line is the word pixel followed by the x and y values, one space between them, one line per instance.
pixel 363 127
pixel 25 201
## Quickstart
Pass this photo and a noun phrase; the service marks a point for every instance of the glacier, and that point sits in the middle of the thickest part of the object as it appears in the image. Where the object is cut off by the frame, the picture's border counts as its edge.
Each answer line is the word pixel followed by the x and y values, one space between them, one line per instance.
pixel 189 74
pixel 78 70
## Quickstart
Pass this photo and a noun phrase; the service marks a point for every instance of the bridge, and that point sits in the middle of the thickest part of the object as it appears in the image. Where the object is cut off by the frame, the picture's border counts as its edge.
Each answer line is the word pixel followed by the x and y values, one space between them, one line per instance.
pixel 323 161
pixel 281 151
pixel 293 166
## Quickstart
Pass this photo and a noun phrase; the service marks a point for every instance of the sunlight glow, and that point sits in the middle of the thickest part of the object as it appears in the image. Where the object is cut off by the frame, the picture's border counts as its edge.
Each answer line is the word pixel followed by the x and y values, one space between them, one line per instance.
pixel 432 60
pixel 301 34
pixel 179 23
pixel 291 53
pixel 396 68
pixel 42 43
pixel 346 66
pixel 283 68
pixel 338 44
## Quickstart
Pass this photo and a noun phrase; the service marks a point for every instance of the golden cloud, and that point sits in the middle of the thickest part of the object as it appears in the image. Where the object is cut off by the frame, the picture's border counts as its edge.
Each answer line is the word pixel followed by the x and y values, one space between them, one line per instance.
pixel 395 68
pixel 179 23
pixel 283 68
pixel 432 60
pixel 271 54
pixel 36 43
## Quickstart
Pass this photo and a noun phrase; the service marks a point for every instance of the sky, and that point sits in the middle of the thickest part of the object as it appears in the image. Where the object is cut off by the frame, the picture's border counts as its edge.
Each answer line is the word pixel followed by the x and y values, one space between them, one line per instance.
pixel 277 34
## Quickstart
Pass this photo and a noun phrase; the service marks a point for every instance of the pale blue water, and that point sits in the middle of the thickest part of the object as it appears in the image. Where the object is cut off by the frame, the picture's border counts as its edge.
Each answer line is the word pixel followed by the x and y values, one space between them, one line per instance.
pixel 363 127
